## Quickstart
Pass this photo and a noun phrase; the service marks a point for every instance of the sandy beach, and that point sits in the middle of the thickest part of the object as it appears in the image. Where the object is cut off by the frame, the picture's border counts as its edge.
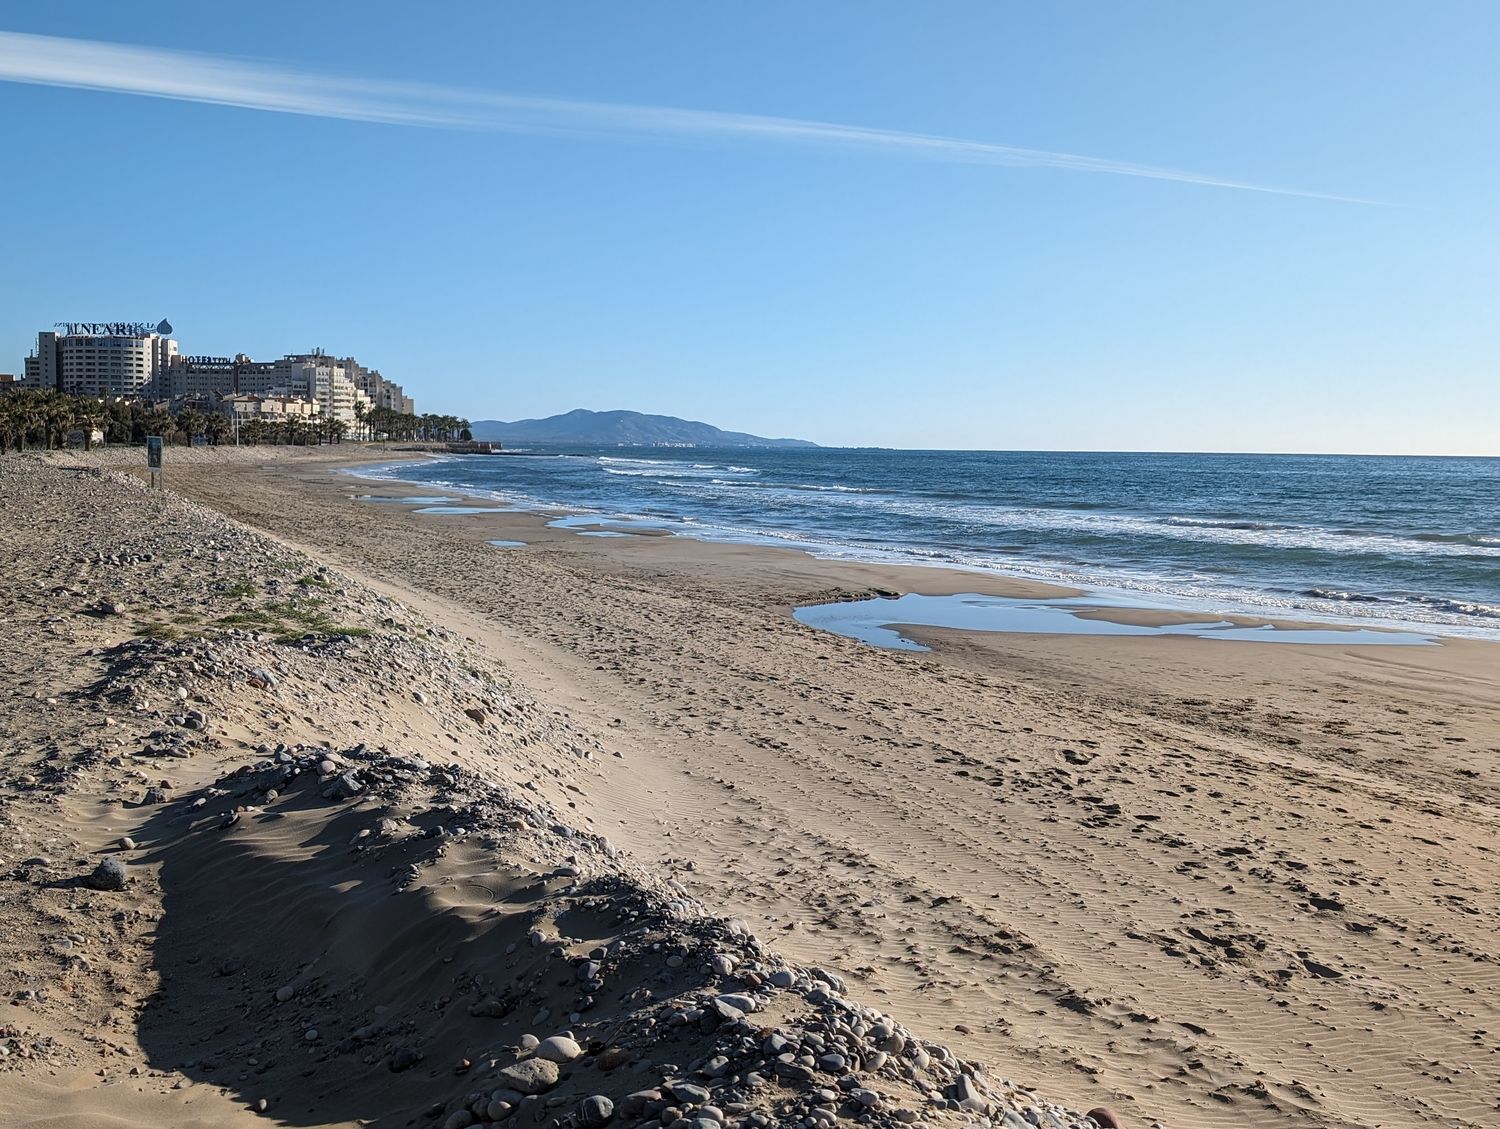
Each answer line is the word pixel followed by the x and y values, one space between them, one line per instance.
pixel 1203 883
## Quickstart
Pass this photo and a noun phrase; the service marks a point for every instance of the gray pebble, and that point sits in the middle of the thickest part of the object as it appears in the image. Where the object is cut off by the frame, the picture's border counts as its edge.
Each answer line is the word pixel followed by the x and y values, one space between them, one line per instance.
pixel 596 1110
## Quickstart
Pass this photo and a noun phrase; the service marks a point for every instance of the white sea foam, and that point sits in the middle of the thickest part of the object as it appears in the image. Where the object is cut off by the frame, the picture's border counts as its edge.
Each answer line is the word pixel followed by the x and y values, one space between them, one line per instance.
pixel 1224 532
pixel 862 524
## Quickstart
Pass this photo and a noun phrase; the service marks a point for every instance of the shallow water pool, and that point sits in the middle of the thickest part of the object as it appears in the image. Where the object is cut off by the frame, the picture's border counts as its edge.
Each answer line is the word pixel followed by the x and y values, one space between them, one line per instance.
pixel 878 621
pixel 470 510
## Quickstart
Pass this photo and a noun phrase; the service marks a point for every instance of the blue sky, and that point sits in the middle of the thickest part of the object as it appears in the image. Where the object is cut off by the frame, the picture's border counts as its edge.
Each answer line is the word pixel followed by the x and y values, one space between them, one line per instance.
pixel 786 279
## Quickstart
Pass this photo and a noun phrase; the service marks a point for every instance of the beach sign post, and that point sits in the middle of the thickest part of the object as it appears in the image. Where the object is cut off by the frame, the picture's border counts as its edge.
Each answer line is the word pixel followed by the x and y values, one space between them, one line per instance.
pixel 153 460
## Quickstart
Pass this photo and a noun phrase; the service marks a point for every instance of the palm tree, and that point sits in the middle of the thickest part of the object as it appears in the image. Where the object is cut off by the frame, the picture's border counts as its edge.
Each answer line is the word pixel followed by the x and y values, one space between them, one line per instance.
pixel 18 417
pixel 119 417
pixel 160 422
pixel 57 414
pixel 89 414
pixel 189 424
pixel 217 427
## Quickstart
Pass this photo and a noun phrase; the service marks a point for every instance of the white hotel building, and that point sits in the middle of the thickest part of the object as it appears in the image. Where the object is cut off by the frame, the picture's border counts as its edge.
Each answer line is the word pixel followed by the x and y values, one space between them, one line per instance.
pixel 138 361
pixel 101 359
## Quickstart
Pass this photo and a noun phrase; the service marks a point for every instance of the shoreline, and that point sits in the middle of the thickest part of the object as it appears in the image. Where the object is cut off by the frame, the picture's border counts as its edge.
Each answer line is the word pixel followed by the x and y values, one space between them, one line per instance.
pixel 1113 862
pixel 438 897
pixel 1115 604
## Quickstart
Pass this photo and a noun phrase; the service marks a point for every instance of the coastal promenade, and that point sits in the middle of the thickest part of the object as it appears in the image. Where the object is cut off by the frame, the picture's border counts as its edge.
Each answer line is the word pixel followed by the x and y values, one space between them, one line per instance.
pixel 1206 884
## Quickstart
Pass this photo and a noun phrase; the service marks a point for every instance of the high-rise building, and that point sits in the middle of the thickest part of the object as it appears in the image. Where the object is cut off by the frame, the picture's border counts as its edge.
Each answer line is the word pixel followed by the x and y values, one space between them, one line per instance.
pixel 102 358
pixel 136 360
pixel 216 376
pixel 313 376
pixel 383 393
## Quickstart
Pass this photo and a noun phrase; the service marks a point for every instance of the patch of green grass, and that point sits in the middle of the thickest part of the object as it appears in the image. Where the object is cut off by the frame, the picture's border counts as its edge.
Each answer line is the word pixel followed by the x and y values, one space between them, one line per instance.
pixel 154 630
pixel 240 589
pixel 290 620
pixel 313 580
pixel 257 619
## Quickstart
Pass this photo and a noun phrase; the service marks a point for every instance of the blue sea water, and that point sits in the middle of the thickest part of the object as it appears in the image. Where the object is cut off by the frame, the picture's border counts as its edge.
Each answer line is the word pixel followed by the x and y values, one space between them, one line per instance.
pixel 1400 541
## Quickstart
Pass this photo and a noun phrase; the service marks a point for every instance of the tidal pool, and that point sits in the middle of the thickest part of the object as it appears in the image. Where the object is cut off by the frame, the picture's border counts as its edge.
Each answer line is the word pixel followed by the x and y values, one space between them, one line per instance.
pixel 416 500
pixel 878 621
pixel 588 525
pixel 470 510
pixel 508 544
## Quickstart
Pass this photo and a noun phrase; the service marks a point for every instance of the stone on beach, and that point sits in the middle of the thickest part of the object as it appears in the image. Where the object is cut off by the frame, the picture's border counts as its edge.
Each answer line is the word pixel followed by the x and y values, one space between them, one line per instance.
pixel 530 1076
pixel 558 1048
pixel 108 875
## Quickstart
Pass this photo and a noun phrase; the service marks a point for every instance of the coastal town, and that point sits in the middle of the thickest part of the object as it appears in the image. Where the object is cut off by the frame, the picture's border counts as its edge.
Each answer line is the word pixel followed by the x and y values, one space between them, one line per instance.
pixel 88 383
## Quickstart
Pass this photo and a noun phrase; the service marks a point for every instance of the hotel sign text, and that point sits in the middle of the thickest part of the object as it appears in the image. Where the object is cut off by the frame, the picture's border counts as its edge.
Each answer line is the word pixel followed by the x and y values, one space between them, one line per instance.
pixel 106 328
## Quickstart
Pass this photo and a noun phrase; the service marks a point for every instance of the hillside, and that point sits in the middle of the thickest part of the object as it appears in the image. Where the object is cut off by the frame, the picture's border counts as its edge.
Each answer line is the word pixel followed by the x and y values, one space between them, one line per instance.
pixel 582 427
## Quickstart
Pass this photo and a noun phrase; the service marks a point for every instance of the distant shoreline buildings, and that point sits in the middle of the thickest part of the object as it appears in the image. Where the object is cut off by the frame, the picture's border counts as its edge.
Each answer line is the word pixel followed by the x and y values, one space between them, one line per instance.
pixel 140 361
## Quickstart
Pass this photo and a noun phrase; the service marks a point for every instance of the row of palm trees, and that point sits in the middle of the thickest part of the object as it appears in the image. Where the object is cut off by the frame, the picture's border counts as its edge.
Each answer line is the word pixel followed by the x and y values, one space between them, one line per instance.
pixel 297 431
pixel 387 423
pixel 43 419
pixel 30 418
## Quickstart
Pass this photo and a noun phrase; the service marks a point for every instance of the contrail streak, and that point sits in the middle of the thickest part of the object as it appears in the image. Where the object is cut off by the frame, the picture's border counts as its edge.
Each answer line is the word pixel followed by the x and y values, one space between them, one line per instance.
pixel 192 77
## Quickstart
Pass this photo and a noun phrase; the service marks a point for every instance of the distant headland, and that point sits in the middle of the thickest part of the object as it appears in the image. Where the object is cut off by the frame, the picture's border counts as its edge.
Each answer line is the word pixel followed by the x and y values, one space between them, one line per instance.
pixel 582 427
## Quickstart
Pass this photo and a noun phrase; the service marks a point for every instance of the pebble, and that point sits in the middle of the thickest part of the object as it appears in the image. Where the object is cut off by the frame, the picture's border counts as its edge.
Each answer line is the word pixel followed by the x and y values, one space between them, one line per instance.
pixel 530 1076
pixel 284 993
pixel 596 1110
pixel 688 1092
pixel 559 1048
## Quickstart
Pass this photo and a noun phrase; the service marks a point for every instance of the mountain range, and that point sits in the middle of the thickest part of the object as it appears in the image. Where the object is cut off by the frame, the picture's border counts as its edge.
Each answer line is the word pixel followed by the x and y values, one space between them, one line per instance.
pixel 582 427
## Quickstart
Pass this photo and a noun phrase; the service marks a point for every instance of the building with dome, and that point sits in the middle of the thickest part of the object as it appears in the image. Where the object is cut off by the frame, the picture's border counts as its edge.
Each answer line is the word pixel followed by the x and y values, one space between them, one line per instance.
pixel 102 358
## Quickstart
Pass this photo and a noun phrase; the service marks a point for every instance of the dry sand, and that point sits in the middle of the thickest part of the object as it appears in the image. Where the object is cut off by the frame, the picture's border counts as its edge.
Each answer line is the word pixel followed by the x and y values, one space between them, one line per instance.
pixel 1206 883
pixel 275 847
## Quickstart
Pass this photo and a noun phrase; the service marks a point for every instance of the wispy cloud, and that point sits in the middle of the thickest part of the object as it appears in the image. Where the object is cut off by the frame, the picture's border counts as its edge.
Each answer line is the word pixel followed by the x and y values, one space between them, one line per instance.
pixel 219 80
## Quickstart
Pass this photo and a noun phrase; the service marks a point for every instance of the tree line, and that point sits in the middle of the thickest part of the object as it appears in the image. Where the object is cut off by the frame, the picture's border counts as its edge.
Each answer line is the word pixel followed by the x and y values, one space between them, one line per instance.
pixel 387 423
pixel 42 419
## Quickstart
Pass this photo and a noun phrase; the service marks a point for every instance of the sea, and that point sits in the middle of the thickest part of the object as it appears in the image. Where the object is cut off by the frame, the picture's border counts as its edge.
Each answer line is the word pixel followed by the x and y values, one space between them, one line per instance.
pixel 1383 541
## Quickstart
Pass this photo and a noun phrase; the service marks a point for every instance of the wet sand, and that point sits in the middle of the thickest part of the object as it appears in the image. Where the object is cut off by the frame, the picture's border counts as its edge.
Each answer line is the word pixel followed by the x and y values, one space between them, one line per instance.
pixel 1213 884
